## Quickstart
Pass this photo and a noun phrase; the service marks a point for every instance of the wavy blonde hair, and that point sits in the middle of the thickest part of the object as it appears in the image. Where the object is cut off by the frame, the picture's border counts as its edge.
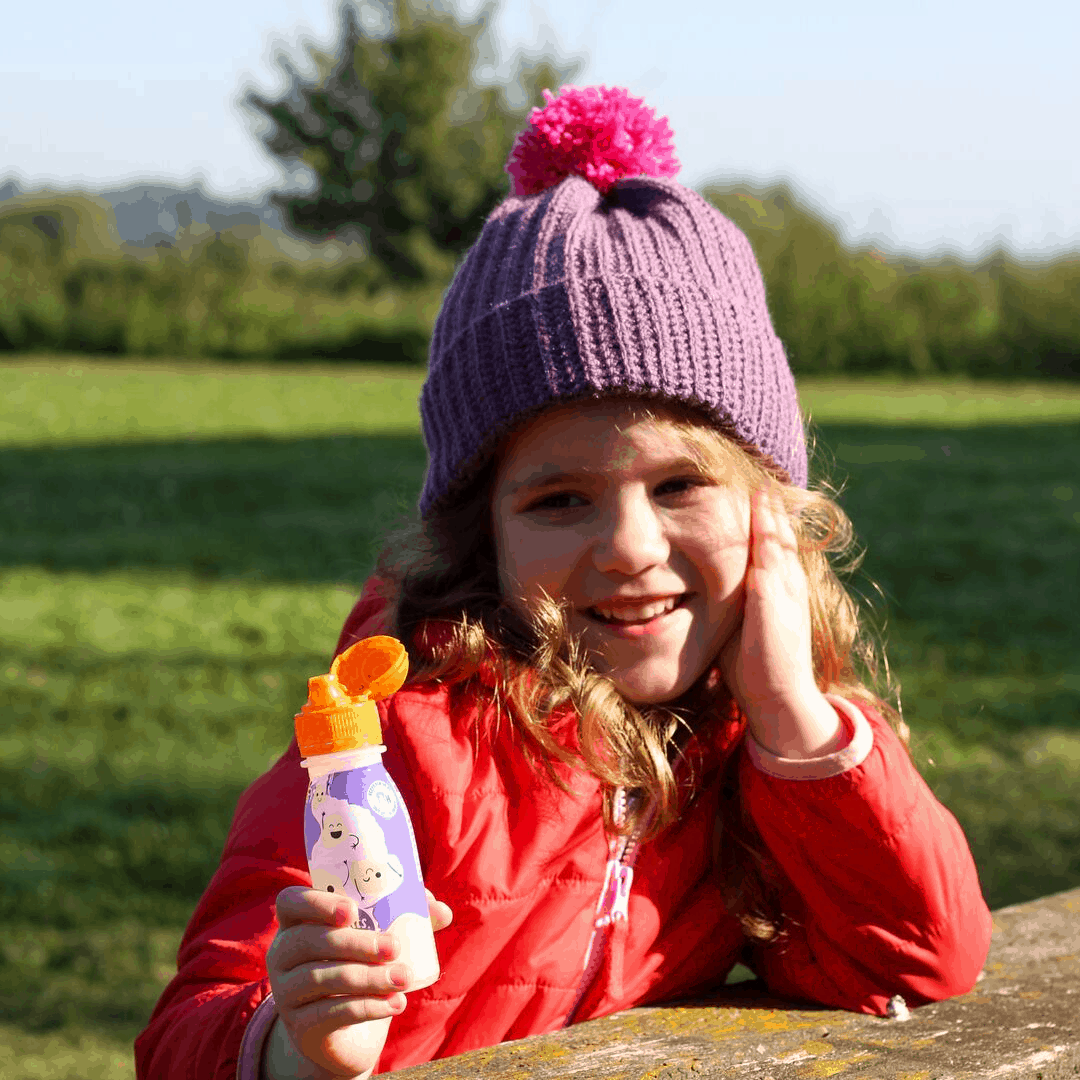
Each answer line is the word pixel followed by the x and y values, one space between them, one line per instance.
pixel 444 570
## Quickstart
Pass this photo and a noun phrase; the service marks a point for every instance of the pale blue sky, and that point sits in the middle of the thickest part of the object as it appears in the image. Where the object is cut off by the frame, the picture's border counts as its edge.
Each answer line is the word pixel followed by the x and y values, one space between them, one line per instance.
pixel 929 122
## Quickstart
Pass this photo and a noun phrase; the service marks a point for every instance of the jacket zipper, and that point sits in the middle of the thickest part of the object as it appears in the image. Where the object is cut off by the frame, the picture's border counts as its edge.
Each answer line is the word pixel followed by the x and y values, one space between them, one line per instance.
pixel 614 895
pixel 612 906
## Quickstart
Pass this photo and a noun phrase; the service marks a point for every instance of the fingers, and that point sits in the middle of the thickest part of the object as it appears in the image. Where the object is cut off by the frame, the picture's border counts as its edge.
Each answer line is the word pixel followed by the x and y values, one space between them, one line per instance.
pixel 773 539
pixel 330 978
pixel 311 942
pixel 325 971
pixel 340 1012
pixel 297 905
pixel 315 982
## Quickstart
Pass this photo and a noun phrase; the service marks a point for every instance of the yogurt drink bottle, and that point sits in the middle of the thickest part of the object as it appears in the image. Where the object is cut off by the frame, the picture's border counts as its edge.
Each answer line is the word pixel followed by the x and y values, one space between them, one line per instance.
pixel 357 832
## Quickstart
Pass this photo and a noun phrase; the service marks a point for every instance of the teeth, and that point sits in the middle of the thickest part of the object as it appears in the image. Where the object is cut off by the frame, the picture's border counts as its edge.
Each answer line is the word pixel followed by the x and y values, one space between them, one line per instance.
pixel 641 613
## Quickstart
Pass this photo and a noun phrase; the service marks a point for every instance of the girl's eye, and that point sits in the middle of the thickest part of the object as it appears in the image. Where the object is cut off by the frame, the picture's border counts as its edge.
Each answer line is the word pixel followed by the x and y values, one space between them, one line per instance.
pixel 560 500
pixel 679 485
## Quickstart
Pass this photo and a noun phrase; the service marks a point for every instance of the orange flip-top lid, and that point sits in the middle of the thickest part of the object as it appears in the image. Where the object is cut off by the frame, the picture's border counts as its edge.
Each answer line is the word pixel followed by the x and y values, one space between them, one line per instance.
pixel 340 712
pixel 375 666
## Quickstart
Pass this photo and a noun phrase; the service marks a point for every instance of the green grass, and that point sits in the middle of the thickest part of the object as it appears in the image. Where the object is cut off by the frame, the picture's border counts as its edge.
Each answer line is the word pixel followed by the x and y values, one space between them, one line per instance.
pixel 179 550
pixel 948 403
pixel 70 401
pixel 973 535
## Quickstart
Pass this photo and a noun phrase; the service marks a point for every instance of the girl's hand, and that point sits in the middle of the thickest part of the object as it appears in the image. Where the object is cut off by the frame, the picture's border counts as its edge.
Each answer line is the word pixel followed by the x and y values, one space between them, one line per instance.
pixel 768 662
pixel 335 987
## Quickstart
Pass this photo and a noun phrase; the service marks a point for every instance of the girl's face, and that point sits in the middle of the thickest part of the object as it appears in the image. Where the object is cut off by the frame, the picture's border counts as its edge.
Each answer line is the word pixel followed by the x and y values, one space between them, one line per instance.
pixel 607 511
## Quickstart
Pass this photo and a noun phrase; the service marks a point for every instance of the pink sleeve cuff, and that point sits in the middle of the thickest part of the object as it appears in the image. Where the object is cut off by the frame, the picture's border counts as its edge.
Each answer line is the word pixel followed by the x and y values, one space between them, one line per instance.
pixel 860 742
pixel 249 1065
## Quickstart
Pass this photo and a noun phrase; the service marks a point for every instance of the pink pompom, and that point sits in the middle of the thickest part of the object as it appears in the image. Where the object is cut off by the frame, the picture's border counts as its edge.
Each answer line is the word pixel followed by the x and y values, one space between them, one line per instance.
pixel 597 132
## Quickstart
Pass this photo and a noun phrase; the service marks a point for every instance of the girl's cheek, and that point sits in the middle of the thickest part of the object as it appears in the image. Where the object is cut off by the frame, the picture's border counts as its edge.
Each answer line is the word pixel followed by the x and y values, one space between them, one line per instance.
pixel 524 575
pixel 538 577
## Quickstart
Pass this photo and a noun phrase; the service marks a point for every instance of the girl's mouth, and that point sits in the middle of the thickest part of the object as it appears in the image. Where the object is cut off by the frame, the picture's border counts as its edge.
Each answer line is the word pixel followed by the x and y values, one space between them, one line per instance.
pixel 631 616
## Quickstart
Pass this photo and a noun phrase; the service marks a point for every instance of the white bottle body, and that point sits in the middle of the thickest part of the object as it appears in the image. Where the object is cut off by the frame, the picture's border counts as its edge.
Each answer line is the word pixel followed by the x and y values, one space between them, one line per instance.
pixel 360 843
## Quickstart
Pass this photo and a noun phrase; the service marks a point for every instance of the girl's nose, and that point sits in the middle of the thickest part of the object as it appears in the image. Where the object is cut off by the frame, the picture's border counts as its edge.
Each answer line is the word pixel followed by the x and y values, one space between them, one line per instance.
pixel 632 539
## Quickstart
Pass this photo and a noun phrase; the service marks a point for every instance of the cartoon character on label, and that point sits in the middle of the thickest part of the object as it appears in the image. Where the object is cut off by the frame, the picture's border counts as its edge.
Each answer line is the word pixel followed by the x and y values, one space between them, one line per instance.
pixel 318 791
pixel 374 872
pixel 339 837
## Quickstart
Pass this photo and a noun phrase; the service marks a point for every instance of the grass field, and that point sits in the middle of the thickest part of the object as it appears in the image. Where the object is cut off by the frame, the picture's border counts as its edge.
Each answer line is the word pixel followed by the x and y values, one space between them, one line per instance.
pixel 180 547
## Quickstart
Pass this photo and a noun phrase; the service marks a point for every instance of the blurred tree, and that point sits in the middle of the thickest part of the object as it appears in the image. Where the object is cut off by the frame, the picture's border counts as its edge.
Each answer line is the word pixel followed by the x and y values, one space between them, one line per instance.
pixel 406 145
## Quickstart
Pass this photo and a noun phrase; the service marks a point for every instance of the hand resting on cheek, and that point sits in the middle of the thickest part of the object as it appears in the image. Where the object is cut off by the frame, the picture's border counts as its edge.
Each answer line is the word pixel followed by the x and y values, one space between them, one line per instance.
pixel 768 661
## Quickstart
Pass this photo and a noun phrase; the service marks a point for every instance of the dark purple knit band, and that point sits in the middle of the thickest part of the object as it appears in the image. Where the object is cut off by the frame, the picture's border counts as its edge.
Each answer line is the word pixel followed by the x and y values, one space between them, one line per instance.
pixel 648 291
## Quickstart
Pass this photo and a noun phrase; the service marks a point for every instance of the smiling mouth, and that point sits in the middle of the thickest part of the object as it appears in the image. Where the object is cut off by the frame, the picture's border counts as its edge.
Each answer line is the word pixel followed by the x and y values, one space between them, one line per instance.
pixel 626 614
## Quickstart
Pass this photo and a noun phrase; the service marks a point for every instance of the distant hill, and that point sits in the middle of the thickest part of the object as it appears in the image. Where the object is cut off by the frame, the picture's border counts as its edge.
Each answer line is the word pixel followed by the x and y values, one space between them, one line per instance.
pixel 147 214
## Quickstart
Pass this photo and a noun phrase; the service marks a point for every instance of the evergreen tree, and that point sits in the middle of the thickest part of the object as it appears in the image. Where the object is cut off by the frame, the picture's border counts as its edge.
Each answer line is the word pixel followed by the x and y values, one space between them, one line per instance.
pixel 407 147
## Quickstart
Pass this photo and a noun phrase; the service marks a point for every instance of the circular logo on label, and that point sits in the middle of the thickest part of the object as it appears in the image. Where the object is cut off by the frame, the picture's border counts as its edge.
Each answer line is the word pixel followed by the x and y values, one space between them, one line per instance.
pixel 381 798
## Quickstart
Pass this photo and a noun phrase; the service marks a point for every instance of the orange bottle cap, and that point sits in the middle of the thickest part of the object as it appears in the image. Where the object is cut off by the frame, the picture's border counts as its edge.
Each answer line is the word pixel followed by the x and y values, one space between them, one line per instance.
pixel 340 712
pixel 376 666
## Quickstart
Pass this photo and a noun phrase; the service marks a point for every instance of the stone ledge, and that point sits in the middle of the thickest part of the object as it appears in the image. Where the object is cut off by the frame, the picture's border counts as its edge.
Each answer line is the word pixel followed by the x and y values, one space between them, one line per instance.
pixel 1021 1022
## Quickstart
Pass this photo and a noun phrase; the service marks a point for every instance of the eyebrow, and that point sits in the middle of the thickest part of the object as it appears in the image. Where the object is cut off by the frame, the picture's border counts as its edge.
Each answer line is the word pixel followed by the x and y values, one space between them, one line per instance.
pixel 546 480
pixel 555 479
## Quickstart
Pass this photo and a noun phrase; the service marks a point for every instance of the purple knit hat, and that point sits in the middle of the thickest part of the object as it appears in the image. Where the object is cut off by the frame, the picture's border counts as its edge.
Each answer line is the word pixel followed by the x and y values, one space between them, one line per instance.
pixel 645 291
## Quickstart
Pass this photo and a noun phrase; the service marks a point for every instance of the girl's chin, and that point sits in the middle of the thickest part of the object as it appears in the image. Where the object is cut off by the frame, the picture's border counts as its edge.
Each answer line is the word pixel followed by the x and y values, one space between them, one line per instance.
pixel 649 669
pixel 641 686
pixel 642 697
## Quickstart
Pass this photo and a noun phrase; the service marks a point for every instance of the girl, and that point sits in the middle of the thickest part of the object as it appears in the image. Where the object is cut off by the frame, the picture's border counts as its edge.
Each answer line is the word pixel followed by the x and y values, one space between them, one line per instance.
pixel 636 743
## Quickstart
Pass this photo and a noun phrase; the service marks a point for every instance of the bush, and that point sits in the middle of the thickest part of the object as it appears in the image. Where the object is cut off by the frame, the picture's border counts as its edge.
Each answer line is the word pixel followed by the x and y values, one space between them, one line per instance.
pixel 842 311
pixel 66 282
pixel 229 295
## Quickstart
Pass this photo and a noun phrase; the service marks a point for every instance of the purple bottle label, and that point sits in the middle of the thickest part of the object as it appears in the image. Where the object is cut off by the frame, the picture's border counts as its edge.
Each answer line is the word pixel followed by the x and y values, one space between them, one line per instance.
pixel 360 844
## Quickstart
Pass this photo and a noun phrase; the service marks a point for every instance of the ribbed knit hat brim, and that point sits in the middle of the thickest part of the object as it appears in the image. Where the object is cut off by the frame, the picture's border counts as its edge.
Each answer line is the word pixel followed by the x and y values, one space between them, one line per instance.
pixel 648 292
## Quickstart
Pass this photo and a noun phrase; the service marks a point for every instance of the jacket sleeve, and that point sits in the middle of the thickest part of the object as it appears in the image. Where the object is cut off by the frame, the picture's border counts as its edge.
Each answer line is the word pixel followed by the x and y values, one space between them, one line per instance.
pixel 199 1023
pixel 884 896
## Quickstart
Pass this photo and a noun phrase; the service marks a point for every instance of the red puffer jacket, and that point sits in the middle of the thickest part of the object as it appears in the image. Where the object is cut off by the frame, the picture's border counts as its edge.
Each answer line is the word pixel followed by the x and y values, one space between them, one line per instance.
pixel 884 898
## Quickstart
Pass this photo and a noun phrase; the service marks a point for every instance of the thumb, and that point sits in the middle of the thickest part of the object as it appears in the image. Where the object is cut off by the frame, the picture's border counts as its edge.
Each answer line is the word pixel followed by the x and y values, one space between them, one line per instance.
pixel 440 913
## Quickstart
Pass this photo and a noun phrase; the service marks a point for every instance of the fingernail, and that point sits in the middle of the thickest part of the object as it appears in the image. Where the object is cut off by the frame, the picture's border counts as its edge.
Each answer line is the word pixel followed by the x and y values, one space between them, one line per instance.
pixel 396 1004
pixel 399 975
pixel 343 915
pixel 387 946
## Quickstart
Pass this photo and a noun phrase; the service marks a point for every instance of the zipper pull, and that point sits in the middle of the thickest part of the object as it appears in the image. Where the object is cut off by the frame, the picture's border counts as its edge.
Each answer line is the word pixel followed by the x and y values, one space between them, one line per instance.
pixel 619 908
pixel 624 878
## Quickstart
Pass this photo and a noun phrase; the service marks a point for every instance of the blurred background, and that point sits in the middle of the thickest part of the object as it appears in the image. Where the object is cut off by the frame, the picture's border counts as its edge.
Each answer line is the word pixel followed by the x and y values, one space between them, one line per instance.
pixel 224 234
pixel 296 180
